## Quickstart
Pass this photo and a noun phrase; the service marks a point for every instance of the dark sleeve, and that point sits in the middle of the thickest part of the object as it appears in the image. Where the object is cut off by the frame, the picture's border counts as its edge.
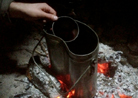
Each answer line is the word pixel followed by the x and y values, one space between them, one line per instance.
pixel 4 5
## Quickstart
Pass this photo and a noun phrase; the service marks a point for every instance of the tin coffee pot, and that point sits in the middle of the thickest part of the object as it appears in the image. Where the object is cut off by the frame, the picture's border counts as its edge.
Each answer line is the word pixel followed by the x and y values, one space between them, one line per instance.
pixel 73 50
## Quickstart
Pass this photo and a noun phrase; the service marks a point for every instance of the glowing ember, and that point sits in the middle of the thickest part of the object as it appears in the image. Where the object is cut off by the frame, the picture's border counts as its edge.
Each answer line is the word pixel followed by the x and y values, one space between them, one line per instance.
pixel 49 66
pixel 112 96
pixel 64 81
pixel 71 93
pixel 103 68
pixel 101 93
pixel 124 96
pixel 65 85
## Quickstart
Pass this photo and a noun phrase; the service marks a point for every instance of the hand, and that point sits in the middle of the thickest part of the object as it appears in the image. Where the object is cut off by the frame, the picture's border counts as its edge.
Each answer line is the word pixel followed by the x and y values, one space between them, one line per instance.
pixel 32 11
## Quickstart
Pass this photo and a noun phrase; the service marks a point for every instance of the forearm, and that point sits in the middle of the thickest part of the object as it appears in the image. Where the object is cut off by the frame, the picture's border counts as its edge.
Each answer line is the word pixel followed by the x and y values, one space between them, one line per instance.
pixel 28 11
pixel 16 9
pixel 32 11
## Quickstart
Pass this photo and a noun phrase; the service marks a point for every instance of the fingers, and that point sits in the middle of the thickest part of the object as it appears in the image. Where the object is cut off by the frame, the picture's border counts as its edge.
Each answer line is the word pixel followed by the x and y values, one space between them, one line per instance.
pixel 48 12
pixel 49 16
pixel 48 9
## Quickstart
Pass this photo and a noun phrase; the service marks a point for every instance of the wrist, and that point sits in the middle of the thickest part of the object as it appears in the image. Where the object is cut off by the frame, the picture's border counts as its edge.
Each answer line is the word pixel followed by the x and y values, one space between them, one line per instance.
pixel 15 10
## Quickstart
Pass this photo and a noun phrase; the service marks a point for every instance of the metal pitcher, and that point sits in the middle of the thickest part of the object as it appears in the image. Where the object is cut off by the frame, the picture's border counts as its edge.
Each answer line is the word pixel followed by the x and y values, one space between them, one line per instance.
pixel 74 55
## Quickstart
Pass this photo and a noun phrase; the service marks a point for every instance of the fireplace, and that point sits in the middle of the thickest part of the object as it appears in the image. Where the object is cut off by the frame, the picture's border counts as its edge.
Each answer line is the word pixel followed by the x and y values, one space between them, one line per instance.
pixel 117 58
pixel 117 70
pixel 116 78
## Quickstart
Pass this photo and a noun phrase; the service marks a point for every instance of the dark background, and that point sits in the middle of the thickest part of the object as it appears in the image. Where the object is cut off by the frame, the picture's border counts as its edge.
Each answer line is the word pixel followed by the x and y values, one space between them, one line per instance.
pixel 115 22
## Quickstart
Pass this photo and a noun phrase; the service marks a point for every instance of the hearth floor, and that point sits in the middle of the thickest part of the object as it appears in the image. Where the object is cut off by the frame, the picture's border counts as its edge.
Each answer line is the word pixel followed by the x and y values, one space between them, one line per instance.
pixel 11 74
pixel 13 82
pixel 14 61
